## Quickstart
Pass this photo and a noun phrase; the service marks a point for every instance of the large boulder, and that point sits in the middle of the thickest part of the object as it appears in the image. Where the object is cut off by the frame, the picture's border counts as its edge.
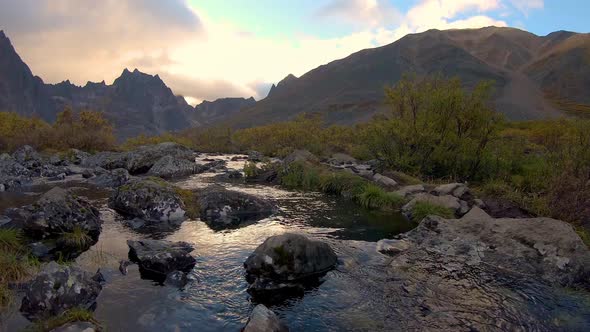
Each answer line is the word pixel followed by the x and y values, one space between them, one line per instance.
pixel 458 190
pixel 263 319
pixel 141 160
pixel 222 208
pixel 28 157
pixel 447 201
pixel 299 156
pixel 106 160
pixel 150 199
pixel 171 167
pixel 384 181
pixel 410 190
pixel 501 208
pixel 59 288
pixel 13 175
pixel 489 273
pixel 284 264
pixel 159 258
pixel 111 179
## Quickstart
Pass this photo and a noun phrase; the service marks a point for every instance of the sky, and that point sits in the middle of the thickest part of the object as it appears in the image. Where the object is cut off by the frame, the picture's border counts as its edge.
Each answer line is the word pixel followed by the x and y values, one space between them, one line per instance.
pixel 208 49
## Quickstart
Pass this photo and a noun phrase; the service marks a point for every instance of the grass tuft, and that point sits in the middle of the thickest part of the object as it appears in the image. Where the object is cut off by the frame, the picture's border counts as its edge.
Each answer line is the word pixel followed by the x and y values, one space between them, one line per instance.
pixel 375 197
pixel 14 266
pixel 70 316
pixel 423 209
pixel 77 238
pixel 191 202
pixel 10 239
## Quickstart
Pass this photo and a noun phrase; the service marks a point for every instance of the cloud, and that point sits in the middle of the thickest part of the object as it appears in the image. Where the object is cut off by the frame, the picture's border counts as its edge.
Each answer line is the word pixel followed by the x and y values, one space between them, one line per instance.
pixel 204 58
pixel 364 13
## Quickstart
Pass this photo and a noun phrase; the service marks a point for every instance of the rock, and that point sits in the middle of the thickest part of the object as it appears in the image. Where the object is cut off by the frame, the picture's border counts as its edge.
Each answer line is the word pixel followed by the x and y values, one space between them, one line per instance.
pixel 365 171
pixel 392 247
pixel 28 157
pixel 222 208
pixel 290 257
pixel 141 160
pixel 410 190
pixel 384 181
pixel 479 203
pixel 13 175
pixel 446 201
pixel 255 156
pixel 300 156
pixel 499 208
pixel 169 167
pixel 107 160
pixel 76 156
pixel 149 199
pixel 264 320
pixel 339 159
pixel 455 189
pixel 177 279
pixel 59 288
pixel 159 258
pixel 123 264
pixel 111 179
pixel 43 250
pixel 77 327
pixel 269 176
pixel 87 174
pixel 229 175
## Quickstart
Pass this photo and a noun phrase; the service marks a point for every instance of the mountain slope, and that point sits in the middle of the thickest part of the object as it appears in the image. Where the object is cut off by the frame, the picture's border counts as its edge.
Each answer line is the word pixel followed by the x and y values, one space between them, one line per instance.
pixel 210 112
pixel 524 67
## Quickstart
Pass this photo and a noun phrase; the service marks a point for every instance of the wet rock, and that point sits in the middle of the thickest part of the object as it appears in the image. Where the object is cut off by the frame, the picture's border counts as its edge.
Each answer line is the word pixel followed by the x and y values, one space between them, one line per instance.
pixel 410 190
pixel 300 156
pixel 267 176
pixel 499 208
pixel 77 327
pixel 160 258
pixel 170 167
pixel 149 199
pixel 263 319
pixel 447 201
pixel 177 279
pixel 59 288
pixel 285 263
pixel 221 208
pixel 123 267
pixel 384 181
pixel 255 156
pixel 111 179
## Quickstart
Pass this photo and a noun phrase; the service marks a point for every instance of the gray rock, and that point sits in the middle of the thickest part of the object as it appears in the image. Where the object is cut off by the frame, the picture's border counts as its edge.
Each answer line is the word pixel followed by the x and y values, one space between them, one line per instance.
pixel 339 159
pixel 255 156
pixel 290 257
pixel 177 279
pixel 392 247
pixel 141 160
pixel 111 179
pixel 59 288
pixel 77 327
pixel 455 189
pixel 13 175
pixel 384 181
pixel 149 199
pixel 221 208
pixel 299 156
pixel 501 208
pixel 263 319
pixel 28 157
pixel 160 258
pixel 410 190
pixel 170 167
pixel 107 160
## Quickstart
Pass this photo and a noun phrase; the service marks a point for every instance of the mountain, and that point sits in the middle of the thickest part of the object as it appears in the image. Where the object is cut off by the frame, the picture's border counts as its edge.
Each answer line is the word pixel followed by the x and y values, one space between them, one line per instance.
pixel 535 76
pixel 211 112
pixel 136 103
pixel 20 90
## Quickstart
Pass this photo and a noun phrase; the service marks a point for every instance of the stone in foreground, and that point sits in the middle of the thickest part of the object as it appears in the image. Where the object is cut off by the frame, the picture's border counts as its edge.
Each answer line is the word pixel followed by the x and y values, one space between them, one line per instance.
pixel 159 258
pixel 148 199
pixel 59 288
pixel 285 264
pixel 221 208
pixel 263 319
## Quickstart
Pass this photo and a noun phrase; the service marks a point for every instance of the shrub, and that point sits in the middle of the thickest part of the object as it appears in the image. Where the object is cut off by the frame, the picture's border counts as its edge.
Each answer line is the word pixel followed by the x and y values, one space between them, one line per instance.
pixel 423 209
pixel 375 197
pixel 10 239
pixel 77 238
pixel 338 183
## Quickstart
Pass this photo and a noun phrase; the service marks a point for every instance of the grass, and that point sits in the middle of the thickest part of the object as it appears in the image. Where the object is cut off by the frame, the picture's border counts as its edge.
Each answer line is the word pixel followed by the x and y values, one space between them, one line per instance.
pixel 10 239
pixel 191 202
pixel 14 266
pixel 337 183
pixel 375 197
pixel 423 209
pixel 583 234
pixel 77 238
pixel 6 296
pixel 70 316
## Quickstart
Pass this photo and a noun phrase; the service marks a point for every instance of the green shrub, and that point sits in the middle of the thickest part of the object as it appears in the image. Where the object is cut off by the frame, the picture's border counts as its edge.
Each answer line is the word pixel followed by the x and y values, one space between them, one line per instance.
pixel 77 238
pixel 10 239
pixel 421 210
pixel 191 202
pixel 375 197
pixel 338 183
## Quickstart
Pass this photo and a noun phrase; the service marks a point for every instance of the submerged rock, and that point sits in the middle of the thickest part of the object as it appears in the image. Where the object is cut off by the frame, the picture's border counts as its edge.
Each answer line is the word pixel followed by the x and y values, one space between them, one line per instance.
pixel 222 208
pixel 177 279
pixel 159 258
pixel 59 288
pixel 149 199
pixel 285 263
pixel 263 319
pixel 171 167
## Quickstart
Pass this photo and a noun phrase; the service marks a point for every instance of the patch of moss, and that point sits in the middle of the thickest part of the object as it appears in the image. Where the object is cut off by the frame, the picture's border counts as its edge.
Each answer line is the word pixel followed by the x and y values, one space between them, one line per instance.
pixel 191 202
pixel 423 209
pixel 70 316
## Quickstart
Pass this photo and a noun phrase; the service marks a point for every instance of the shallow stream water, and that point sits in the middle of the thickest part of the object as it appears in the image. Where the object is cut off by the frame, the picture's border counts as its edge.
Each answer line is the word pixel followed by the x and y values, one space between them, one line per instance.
pixel 216 298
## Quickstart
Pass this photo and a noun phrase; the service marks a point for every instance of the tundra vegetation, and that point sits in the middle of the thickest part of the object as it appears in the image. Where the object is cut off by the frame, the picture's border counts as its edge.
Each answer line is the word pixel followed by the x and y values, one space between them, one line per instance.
pixel 435 130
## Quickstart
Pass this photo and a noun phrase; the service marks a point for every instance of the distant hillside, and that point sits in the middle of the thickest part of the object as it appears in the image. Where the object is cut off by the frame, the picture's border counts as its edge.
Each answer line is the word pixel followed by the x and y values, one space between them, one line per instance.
pixel 531 73
pixel 212 112
pixel 136 103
